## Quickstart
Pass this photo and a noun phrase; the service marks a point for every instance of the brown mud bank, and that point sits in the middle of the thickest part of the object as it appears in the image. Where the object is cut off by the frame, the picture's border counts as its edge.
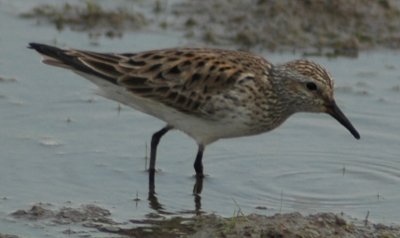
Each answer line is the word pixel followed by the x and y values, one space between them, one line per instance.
pixel 325 27
pixel 205 225
pixel 342 26
pixel 291 225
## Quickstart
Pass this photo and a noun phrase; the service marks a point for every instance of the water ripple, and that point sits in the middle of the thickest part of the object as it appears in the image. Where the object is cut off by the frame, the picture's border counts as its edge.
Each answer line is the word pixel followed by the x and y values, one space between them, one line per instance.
pixel 358 181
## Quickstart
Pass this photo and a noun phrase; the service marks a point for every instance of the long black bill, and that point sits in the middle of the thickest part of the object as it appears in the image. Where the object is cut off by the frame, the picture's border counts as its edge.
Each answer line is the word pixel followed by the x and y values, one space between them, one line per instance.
pixel 335 112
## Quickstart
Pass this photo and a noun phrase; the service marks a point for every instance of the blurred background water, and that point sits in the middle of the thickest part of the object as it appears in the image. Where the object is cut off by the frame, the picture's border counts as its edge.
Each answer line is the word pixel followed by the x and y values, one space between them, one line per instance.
pixel 62 144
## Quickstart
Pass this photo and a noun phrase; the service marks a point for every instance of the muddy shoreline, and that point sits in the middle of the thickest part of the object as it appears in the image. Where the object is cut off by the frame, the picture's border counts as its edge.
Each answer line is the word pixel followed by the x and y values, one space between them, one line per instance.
pixel 202 225
pixel 327 28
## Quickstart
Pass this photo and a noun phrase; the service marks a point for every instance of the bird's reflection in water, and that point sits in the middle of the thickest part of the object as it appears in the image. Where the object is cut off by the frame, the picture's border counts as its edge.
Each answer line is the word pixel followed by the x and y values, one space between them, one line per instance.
pixel 197 188
pixel 159 208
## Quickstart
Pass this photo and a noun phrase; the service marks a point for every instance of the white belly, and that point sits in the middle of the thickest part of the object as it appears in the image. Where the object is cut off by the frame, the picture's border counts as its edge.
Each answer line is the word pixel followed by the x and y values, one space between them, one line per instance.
pixel 203 131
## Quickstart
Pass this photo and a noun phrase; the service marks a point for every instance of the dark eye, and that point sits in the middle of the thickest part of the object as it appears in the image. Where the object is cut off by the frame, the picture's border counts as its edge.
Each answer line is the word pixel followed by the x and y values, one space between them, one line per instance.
pixel 311 86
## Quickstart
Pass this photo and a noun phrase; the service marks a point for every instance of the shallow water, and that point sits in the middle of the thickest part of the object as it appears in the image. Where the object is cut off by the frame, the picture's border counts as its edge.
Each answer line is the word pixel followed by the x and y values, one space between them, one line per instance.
pixel 61 144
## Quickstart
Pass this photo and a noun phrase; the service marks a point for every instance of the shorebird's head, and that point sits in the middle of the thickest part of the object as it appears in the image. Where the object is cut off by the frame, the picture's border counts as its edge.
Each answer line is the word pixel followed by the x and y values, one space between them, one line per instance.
pixel 309 88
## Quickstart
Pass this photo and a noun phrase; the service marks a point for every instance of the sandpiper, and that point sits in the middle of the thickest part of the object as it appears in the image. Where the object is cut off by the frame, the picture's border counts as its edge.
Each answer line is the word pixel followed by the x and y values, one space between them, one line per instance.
pixel 209 94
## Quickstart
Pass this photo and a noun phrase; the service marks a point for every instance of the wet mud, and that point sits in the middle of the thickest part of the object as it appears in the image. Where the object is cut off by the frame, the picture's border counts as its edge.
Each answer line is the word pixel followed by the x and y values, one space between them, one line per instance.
pixel 206 225
pixel 329 28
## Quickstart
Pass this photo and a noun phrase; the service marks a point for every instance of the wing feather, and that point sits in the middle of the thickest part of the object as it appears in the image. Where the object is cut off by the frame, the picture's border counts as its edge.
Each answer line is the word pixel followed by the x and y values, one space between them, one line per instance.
pixel 183 78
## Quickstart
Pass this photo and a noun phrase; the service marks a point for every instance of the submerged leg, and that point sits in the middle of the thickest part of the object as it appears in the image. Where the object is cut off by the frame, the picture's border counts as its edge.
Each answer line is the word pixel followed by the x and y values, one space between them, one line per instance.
pixel 155 139
pixel 198 164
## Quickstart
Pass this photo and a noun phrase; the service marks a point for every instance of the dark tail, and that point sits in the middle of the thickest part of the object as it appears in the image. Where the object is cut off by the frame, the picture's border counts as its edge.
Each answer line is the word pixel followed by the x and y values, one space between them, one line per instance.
pixel 66 59
pixel 51 51
pixel 58 54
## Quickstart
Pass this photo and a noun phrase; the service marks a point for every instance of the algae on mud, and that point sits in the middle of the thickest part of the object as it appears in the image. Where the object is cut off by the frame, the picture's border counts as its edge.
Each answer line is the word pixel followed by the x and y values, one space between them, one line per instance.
pixel 90 17
pixel 289 225
pixel 330 28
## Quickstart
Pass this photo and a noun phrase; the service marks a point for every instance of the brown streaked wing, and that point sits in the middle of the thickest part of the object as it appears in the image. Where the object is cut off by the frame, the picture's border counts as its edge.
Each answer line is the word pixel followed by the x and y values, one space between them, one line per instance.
pixel 185 78
pixel 182 78
pixel 104 64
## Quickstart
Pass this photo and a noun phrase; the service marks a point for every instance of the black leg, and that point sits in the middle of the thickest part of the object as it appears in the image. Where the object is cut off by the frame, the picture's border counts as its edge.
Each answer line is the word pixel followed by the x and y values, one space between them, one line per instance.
pixel 155 139
pixel 198 186
pixel 198 164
